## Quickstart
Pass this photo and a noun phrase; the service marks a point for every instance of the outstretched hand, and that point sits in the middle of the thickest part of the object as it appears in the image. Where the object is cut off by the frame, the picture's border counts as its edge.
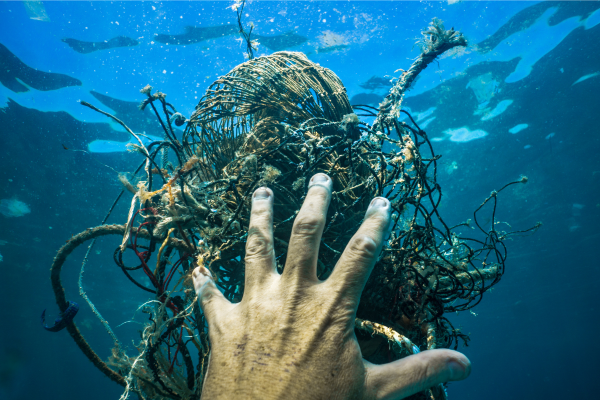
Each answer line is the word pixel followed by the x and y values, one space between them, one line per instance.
pixel 292 335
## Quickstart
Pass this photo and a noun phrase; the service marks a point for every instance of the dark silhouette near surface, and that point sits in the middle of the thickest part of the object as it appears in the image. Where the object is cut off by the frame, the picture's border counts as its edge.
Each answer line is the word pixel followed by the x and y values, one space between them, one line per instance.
pixel 130 113
pixel 89 47
pixel 11 69
pixel 376 82
pixel 196 34
pixel 281 42
pixel 527 17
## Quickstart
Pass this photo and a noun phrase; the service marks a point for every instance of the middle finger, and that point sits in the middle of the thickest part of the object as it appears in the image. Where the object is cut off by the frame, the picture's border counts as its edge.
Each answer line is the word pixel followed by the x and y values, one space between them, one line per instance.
pixel 303 249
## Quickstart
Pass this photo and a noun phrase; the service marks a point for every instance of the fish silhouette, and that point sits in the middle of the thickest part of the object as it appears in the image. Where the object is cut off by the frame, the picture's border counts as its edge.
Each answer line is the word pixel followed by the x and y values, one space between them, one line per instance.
pixel 89 47
pixel 12 68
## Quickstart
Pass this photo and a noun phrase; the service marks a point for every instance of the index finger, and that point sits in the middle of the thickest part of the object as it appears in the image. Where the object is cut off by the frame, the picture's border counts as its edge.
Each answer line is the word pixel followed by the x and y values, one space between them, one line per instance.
pixel 260 255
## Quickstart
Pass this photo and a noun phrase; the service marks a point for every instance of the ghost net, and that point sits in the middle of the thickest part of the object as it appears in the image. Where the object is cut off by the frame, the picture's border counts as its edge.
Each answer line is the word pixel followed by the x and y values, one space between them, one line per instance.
pixel 275 121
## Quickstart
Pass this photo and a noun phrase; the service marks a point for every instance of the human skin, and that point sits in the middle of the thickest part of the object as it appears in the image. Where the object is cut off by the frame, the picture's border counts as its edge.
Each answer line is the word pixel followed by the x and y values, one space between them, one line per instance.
pixel 292 335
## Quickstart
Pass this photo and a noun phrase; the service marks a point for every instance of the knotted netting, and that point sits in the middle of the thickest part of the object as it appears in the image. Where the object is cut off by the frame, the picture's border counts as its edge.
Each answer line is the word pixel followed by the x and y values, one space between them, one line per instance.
pixel 276 121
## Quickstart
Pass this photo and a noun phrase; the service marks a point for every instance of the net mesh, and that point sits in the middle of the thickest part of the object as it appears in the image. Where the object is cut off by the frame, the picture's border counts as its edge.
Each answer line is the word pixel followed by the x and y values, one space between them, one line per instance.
pixel 276 121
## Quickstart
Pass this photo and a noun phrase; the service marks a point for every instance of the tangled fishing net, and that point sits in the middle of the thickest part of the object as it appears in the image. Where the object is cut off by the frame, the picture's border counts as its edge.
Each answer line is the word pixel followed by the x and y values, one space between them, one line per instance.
pixel 275 121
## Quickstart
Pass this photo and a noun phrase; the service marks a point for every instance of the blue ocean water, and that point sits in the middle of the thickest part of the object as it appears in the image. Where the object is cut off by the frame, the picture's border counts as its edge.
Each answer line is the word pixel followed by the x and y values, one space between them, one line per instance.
pixel 521 99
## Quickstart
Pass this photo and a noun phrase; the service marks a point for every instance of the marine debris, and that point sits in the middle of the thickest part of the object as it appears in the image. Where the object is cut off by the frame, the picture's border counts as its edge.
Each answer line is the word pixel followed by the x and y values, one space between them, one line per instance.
pixel 435 40
pixel 275 121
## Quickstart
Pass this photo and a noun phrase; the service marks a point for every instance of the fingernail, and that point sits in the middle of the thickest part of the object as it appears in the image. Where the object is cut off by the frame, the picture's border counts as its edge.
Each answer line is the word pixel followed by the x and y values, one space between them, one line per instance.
pixel 379 202
pixel 205 271
pixel 319 178
pixel 458 370
pixel 261 193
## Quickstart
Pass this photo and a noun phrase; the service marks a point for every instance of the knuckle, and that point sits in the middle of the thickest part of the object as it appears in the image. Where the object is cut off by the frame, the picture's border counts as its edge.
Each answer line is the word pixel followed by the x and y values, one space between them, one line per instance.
pixel 424 376
pixel 363 247
pixel 261 212
pixel 258 245
pixel 427 374
pixel 208 306
pixel 307 225
pixel 431 369
pixel 206 299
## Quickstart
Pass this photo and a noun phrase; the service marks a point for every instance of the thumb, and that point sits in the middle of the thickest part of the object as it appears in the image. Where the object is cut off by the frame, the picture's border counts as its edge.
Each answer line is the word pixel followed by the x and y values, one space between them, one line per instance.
pixel 415 373
pixel 210 298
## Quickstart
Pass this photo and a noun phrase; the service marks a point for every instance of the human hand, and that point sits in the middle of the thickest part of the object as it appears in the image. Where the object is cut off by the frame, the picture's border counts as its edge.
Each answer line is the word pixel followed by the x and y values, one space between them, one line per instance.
pixel 292 335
